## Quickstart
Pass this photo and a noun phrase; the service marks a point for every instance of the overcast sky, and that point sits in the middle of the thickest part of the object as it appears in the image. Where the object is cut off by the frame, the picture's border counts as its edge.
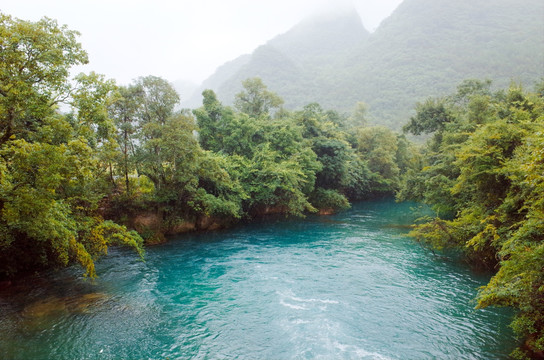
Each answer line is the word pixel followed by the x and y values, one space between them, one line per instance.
pixel 183 39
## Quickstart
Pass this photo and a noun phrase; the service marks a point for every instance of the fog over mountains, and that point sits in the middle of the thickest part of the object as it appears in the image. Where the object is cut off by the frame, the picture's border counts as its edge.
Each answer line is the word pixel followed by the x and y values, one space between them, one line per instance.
pixel 425 48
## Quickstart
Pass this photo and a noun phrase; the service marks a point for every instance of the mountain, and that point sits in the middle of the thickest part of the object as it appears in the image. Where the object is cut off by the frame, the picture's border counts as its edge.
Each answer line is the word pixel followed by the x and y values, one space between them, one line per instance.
pixel 425 48
pixel 291 61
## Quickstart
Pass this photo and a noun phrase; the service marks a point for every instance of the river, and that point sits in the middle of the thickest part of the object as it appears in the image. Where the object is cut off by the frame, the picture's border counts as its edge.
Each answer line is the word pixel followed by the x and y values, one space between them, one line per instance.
pixel 347 286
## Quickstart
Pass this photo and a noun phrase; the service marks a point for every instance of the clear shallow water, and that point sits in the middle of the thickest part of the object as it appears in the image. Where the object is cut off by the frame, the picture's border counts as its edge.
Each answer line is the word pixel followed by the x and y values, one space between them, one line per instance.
pixel 349 286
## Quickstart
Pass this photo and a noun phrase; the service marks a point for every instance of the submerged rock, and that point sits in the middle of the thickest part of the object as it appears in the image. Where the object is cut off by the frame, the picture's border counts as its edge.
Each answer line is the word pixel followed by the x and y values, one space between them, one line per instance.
pixel 56 306
pixel 43 308
pixel 327 211
pixel 86 302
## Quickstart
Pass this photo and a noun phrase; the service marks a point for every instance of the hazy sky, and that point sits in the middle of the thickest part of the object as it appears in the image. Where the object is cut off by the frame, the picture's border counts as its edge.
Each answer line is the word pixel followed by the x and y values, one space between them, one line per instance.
pixel 183 39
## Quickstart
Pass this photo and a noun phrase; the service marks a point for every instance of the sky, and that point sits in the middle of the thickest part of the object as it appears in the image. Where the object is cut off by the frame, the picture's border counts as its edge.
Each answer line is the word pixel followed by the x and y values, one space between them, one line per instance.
pixel 183 39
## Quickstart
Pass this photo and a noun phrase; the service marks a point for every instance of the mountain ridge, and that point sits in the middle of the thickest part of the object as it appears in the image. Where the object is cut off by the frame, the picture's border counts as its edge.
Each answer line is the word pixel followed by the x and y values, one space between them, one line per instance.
pixel 424 48
pixel 287 45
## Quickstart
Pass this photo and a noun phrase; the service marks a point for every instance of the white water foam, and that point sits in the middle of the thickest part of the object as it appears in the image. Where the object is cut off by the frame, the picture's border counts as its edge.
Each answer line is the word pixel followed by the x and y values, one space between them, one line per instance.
pixel 326 301
pixel 291 297
pixel 360 353
pixel 292 306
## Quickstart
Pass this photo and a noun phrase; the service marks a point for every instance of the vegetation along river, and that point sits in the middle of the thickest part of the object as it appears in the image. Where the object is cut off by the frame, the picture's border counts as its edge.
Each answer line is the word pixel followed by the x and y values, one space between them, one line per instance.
pixel 348 286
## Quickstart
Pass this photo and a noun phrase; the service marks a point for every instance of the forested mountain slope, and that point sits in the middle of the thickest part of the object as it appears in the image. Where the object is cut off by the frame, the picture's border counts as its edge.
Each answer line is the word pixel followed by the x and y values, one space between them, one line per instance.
pixel 297 61
pixel 425 48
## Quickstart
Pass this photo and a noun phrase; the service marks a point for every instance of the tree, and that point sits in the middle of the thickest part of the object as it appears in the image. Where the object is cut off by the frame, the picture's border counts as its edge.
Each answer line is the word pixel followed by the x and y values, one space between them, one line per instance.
pixel 213 119
pixel 49 199
pixel 51 164
pixel 470 88
pixel 378 147
pixel 333 154
pixel 90 101
pixel 323 133
pixel 487 171
pixel 124 111
pixel 432 116
pixel 255 100
pixel 520 279
pixel 193 182
pixel 270 159
pixel 277 185
pixel 35 59
pixel 188 182
pixel 157 100
pixel 171 160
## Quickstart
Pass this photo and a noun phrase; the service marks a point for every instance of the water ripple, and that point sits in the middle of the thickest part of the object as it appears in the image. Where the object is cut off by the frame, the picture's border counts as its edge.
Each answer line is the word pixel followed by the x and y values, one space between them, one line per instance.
pixel 350 286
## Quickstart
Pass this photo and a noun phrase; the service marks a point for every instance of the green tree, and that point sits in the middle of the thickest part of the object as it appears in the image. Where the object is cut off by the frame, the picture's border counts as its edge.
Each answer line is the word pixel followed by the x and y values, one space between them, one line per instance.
pixel 378 146
pixel 520 279
pixel 322 132
pixel 51 164
pixel 276 185
pixel 470 88
pixel 157 102
pixel 188 182
pixel 219 193
pixel 340 171
pixel 124 111
pixel 90 101
pixel 35 59
pixel 158 99
pixel 256 100
pixel 213 120
pixel 280 169
pixel 487 168
pixel 432 116
pixel 270 159
pixel 49 198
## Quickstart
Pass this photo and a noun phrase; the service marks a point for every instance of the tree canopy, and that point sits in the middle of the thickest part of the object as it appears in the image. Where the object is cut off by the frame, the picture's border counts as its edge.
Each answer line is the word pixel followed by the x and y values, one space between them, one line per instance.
pixel 255 100
pixel 483 176
pixel 51 164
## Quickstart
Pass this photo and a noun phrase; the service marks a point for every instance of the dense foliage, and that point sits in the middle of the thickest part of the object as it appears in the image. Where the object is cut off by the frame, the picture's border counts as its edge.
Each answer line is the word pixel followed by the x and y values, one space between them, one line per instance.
pixel 52 166
pixel 307 160
pixel 483 175
pixel 125 154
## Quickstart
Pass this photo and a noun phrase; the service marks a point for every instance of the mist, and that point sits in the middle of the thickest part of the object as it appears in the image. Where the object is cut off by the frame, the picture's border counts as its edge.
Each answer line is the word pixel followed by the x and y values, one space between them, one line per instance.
pixel 179 40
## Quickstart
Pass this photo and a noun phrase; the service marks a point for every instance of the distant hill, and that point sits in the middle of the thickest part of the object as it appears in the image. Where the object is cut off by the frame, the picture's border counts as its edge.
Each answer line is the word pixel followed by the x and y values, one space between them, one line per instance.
pixel 291 61
pixel 425 48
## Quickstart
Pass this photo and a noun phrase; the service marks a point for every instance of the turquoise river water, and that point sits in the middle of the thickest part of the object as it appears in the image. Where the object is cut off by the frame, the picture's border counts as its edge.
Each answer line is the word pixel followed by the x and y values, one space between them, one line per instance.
pixel 348 286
